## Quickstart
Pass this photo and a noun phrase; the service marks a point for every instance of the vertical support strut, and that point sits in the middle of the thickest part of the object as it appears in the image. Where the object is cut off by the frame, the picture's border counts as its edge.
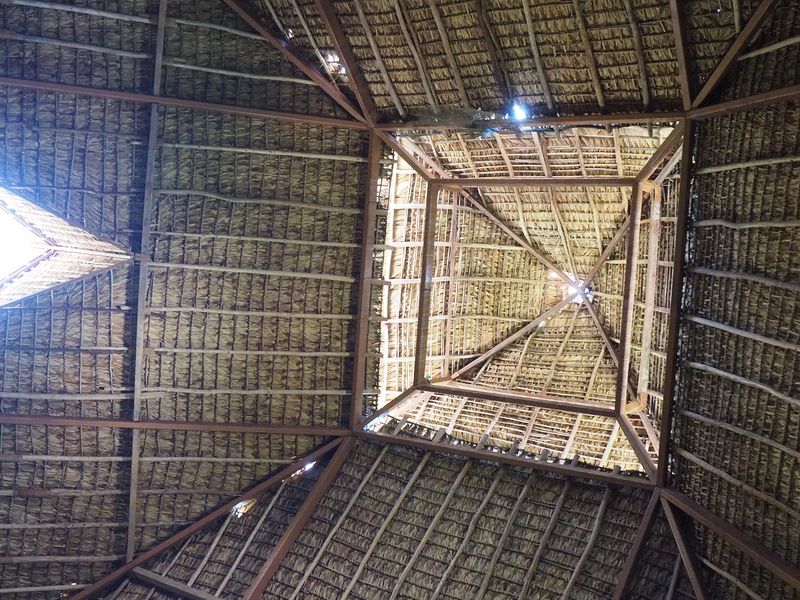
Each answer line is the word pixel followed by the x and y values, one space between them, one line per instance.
pixel 426 283
pixel 141 297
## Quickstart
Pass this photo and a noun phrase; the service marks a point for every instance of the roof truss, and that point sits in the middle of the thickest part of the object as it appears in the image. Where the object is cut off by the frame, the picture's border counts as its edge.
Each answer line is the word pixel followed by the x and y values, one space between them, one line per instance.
pixel 365 119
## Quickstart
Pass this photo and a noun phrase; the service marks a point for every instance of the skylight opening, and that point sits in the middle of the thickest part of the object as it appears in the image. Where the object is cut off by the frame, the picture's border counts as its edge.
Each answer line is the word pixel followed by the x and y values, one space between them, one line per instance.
pixel 19 246
pixel 242 508
pixel 576 290
pixel 333 63
pixel 519 112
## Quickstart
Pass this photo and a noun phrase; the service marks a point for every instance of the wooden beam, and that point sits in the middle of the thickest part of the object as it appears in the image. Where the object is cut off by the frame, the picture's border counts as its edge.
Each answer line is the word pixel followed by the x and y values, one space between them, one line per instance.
pixel 787 94
pixel 170 586
pixel 537 57
pixel 681 54
pixel 293 56
pixel 587 46
pixel 426 283
pixel 405 396
pixel 404 153
pixel 365 275
pixel 299 521
pixel 468 533
pixel 670 368
pixel 638 446
pixel 385 522
pixel 468 121
pixel 637 545
pixel 626 334
pixel 742 542
pixel 639 49
pixel 664 151
pixel 443 507
pixel 345 52
pixel 335 528
pixel 448 51
pixel 520 398
pixel 651 283
pixel 482 182
pixel 687 555
pixel 122 96
pixel 253 493
pixel 268 428
pixel 729 59
pixel 153 136
pixel 598 522
pixel 590 473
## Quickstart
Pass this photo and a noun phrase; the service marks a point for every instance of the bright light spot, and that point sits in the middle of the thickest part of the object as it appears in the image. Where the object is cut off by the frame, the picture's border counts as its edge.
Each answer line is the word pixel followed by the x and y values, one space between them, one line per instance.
pixel 553 275
pixel 18 245
pixel 240 509
pixel 73 583
pixel 519 112
pixel 289 34
pixel 310 466
pixel 542 324
pixel 334 64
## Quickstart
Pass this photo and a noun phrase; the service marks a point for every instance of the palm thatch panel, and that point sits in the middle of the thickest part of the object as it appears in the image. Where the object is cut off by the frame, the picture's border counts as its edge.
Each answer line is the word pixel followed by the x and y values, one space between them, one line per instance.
pixel 565 358
pixel 224 558
pixel 81 49
pixel 81 158
pixel 594 440
pixel 711 27
pixel 54 478
pixel 581 151
pixel 731 574
pixel 771 61
pixel 424 59
pixel 431 520
pixel 738 408
pixel 211 55
pixel 659 571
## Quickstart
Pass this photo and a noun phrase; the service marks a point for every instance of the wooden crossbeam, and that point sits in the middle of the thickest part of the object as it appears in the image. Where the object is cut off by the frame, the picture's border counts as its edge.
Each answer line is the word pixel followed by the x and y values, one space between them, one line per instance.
pixel 483 182
pixel 171 586
pixel 299 521
pixel 729 59
pixel 670 369
pixel 426 283
pixel 519 398
pixel 253 493
pixel 222 427
pixel 678 29
pixel 588 473
pixel 123 96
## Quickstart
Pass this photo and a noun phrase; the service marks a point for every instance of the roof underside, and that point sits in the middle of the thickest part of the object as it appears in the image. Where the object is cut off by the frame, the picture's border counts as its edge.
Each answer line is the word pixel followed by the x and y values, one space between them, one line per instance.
pixel 280 260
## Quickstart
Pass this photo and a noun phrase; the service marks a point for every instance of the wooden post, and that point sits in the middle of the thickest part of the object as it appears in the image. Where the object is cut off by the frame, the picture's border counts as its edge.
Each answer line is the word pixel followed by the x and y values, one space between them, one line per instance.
pixel 364 286
pixel 426 283
pixel 636 547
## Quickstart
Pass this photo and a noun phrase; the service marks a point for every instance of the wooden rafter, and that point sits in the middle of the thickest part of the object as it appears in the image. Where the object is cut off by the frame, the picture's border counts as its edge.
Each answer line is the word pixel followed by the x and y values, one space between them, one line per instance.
pixel 537 56
pixel 448 51
pixel 345 53
pixel 637 545
pixel 651 281
pixel 426 283
pixel 670 368
pixel 687 555
pixel 255 492
pixel 407 28
pixel 299 521
pixel 638 446
pixel 727 62
pixel 742 542
pixel 639 49
pixel 581 182
pixel 142 277
pixel 364 286
pixel 294 57
pixel 591 64
pixel 681 54
pixel 493 49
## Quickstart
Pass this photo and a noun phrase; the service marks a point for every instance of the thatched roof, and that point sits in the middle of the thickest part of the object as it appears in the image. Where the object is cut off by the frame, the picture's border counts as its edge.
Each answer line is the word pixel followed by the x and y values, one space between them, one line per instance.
pixel 324 256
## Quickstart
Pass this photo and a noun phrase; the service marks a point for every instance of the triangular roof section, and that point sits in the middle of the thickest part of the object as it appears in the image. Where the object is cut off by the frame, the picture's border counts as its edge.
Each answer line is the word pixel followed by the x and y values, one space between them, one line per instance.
pixel 47 250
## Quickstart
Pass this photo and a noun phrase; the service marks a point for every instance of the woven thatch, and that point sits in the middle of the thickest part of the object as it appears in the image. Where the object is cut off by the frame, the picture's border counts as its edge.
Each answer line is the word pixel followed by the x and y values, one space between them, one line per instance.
pixel 249 295
pixel 224 558
pixel 738 393
pixel 478 55
pixel 353 528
